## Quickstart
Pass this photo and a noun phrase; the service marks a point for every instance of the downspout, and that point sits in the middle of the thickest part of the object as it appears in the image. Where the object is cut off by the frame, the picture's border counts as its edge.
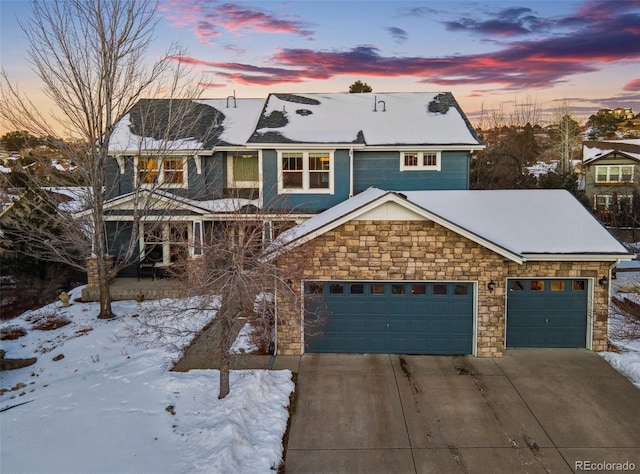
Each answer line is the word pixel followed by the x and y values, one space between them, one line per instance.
pixel 351 172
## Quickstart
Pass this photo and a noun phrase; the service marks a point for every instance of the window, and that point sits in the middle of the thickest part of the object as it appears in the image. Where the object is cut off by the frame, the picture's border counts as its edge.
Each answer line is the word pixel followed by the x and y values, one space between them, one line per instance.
pixel 148 170
pixel 167 172
pixel 419 289
pixel 577 285
pixel 420 161
pixel 306 172
pixel 169 242
pixel 377 289
pixel 243 169
pixel 439 289
pixel 336 288
pixel 614 174
pixel 461 290
pixel 557 285
pixel 313 288
pixel 537 285
pixel 357 289
pixel 608 201
pixel 397 289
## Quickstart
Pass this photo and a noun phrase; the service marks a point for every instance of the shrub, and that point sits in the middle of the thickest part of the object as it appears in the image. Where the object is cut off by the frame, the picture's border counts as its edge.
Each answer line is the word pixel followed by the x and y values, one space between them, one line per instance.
pixel 9 333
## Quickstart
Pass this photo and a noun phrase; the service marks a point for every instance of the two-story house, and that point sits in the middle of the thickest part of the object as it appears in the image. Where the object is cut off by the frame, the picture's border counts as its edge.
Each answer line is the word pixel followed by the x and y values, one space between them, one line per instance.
pixel 291 156
pixel 611 171
pixel 406 257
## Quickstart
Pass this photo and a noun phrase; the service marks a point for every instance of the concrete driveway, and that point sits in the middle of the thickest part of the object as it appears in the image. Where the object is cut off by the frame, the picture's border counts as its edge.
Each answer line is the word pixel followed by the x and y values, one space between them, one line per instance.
pixel 540 410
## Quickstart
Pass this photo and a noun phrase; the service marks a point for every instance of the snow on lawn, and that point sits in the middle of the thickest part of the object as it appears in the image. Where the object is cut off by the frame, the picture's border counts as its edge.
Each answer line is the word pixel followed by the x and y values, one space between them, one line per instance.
pixel 627 362
pixel 112 406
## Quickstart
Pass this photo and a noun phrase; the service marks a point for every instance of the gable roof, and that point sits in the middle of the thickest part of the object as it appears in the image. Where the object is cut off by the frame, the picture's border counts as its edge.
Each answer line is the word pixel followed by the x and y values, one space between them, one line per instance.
pixel 369 119
pixel 595 150
pixel 520 225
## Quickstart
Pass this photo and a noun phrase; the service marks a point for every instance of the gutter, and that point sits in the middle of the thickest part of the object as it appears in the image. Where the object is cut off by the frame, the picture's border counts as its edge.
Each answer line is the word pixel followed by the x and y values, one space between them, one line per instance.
pixel 351 172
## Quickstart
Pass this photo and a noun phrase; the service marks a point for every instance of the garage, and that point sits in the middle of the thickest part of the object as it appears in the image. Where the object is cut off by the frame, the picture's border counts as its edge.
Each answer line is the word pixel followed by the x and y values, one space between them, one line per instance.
pixel 546 313
pixel 389 317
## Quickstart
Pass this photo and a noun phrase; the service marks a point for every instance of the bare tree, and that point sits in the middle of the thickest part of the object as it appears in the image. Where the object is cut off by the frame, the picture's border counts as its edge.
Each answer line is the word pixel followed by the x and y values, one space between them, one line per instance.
pixel 92 60
pixel 234 278
pixel 566 139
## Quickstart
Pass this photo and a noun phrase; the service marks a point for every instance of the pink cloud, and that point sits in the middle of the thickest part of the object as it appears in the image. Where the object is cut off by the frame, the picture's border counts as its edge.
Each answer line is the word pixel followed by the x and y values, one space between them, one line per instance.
pixel 209 19
pixel 633 86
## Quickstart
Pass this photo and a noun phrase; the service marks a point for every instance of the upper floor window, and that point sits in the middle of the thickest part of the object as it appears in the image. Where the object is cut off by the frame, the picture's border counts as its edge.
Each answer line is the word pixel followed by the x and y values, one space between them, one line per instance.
pixel 243 169
pixel 614 174
pixel 420 160
pixel 166 172
pixel 305 171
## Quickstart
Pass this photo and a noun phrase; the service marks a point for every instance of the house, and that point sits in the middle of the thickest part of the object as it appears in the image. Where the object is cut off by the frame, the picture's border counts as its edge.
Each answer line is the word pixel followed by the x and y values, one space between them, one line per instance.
pixel 448 272
pixel 290 156
pixel 611 171
pixel 374 190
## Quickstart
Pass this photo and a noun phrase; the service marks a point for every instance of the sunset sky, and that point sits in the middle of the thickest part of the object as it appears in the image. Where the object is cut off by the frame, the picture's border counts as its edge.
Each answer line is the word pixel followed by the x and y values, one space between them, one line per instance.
pixel 488 53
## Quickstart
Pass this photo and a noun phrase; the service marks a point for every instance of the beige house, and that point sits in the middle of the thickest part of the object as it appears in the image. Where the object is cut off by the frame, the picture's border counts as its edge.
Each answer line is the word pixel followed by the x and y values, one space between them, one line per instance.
pixel 447 272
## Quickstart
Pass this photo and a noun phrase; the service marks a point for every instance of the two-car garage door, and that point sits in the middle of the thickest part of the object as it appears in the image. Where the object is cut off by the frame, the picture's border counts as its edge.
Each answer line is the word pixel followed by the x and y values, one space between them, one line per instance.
pixel 389 317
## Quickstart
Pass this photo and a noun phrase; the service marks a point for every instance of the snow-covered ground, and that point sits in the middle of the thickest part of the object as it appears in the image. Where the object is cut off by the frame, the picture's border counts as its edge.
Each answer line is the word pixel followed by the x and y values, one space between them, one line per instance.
pixel 627 361
pixel 113 406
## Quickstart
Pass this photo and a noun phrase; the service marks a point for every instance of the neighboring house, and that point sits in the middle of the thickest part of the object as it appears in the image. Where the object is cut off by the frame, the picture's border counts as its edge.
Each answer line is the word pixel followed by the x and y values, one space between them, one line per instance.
pixel 289 156
pixel 611 171
pixel 448 272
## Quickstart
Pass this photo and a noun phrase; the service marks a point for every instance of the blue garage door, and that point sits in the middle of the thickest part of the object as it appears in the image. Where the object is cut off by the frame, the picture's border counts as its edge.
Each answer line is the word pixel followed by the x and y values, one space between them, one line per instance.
pixel 547 313
pixel 389 317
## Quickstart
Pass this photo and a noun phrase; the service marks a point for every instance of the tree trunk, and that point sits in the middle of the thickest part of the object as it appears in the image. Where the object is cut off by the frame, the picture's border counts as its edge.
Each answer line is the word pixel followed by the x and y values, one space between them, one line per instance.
pixel 225 334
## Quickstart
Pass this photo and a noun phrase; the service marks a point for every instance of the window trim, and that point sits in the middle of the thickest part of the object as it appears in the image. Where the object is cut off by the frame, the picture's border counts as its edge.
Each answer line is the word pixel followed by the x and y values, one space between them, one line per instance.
pixel 231 182
pixel 306 173
pixel 420 166
pixel 608 179
pixel 161 172
pixel 166 243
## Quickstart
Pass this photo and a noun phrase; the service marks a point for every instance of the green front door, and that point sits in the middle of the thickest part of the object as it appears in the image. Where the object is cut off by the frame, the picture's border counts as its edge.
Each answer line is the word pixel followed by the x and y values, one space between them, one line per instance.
pixel 389 317
pixel 546 313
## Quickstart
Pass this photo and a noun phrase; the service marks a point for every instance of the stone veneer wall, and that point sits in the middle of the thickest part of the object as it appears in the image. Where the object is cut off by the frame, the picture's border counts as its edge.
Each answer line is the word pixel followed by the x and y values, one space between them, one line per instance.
pixel 424 250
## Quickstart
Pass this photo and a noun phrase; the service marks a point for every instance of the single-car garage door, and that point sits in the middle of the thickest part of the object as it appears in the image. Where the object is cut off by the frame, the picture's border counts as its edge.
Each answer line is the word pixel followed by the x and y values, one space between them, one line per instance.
pixel 389 317
pixel 546 313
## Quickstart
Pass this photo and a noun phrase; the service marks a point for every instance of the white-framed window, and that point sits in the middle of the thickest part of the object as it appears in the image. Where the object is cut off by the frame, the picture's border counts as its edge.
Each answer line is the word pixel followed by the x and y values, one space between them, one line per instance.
pixel 420 160
pixel 243 169
pixel 606 201
pixel 305 171
pixel 167 242
pixel 614 174
pixel 167 172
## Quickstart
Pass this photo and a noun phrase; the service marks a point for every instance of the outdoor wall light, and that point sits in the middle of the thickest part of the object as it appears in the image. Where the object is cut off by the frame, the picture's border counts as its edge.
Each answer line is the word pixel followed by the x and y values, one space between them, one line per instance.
pixel 491 285
pixel 603 281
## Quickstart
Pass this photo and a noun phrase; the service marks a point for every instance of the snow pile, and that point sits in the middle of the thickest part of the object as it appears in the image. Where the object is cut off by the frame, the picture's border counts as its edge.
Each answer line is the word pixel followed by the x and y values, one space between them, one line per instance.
pixel 107 405
pixel 627 362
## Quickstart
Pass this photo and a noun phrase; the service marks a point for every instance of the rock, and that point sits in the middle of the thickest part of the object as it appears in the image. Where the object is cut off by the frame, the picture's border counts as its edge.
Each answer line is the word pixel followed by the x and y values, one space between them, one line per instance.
pixel 58 357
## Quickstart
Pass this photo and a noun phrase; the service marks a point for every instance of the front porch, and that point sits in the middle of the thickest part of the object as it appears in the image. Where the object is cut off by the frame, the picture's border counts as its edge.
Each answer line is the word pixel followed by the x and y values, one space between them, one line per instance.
pixel 137 289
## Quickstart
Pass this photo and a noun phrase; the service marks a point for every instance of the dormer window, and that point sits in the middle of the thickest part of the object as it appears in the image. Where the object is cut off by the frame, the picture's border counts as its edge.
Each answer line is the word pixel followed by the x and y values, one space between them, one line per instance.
pixel 164 172
pixel 420 161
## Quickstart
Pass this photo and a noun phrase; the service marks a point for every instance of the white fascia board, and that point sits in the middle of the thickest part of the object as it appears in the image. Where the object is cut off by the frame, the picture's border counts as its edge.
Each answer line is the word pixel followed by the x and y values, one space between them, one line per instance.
pixel 461 147
pixel 163 152
pixel 305 146
pixel 577 257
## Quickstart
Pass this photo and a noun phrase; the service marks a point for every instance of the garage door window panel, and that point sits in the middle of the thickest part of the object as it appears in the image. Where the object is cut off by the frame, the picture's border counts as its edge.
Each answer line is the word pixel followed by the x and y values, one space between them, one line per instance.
pixel 439 289
pixel 557 285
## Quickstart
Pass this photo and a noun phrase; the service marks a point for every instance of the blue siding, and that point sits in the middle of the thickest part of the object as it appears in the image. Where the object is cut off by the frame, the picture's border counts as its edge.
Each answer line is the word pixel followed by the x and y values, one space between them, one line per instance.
pixel 304 202
pixel 382 170
pixel 118 237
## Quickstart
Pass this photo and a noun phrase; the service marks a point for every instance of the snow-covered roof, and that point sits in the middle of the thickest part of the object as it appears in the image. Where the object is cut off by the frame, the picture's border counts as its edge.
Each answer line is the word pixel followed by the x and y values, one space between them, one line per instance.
pixel 593 150
pixel 212 122
pixel 173 201
pixel 519 224
pixel 371 119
